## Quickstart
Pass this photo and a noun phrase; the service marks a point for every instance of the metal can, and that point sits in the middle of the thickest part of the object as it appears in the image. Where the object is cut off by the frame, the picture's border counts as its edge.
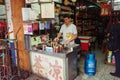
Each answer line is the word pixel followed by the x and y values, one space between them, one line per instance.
pixel 43 47
pixel 60 48
pixel 55 49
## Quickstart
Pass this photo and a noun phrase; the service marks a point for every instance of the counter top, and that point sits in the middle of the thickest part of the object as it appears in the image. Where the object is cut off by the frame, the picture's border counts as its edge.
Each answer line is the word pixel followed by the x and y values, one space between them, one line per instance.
pixel 63 54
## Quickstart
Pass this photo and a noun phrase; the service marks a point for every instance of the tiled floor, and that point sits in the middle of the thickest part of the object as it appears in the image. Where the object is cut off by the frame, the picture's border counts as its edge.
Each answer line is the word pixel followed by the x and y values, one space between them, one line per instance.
pixel 102 72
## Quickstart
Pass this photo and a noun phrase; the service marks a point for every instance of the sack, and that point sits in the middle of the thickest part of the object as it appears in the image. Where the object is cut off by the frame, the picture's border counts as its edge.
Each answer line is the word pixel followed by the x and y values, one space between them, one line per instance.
pixel 113 40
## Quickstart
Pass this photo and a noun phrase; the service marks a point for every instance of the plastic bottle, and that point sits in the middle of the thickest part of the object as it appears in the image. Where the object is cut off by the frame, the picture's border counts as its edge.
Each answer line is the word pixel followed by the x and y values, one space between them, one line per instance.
pixel 113 59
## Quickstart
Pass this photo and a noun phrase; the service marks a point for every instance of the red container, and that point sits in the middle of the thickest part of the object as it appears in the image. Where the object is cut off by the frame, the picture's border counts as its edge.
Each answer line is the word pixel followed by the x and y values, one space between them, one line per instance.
pixel 85 45
pixel 85 37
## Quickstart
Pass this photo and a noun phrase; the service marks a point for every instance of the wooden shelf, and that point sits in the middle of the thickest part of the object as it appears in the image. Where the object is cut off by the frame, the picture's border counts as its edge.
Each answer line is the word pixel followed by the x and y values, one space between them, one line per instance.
pixel 64 9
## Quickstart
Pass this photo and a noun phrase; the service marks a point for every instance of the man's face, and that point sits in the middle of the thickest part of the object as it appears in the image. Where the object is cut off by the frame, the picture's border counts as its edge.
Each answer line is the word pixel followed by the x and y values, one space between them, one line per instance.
pixel 67 20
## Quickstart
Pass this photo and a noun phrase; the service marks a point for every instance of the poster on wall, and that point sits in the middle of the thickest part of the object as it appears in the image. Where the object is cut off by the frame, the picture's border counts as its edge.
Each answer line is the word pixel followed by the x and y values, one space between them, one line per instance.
pixel 30 1
pixel 116 6
pixel 36 8
pixel 28 28
pixel 26 14
pixel 29 14
pixel 49 67
pixel 45 0
pixel 47 10
pixel 105 10
pixel 2 10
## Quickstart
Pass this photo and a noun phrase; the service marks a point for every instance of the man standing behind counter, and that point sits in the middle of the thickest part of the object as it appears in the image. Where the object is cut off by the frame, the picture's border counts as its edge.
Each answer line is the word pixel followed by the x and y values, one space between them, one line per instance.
pixel 68 31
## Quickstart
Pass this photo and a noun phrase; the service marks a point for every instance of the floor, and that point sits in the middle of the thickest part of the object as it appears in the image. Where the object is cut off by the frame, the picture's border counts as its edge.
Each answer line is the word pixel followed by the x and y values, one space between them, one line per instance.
pixel 102 72
pixel 102 69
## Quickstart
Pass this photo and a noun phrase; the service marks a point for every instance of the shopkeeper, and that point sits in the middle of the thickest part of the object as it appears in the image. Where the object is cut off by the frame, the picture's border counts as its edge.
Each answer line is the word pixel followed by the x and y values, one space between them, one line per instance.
pixel 68 31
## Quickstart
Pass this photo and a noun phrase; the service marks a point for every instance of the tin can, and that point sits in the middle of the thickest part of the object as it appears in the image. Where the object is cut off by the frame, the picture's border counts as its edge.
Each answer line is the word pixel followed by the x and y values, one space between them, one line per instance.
pixel 43 47
pixel 60 48
pixel 55 49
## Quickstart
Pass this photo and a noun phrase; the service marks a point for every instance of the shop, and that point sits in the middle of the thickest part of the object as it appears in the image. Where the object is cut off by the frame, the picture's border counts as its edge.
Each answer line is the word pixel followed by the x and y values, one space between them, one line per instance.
pixel 32 25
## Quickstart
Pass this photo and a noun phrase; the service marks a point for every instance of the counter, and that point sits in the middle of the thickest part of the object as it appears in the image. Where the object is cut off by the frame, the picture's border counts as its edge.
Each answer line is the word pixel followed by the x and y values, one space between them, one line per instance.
pixel 55 66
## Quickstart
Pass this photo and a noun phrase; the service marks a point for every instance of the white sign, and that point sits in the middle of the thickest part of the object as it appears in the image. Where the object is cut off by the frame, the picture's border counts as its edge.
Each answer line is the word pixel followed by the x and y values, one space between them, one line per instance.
pixel 29 14
pixel 30 1
pixel 47 10
pixel 116 6
pixel 36 7
pixel 45 0
pixel 2 10
pixel 49 67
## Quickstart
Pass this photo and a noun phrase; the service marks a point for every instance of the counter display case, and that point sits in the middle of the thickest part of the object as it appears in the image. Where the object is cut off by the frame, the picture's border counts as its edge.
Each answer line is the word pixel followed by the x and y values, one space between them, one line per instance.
pixel 55 66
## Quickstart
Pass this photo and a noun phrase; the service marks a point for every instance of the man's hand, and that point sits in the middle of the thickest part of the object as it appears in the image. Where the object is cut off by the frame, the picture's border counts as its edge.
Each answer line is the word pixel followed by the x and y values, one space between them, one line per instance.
pixel 68 42
pixel 56 39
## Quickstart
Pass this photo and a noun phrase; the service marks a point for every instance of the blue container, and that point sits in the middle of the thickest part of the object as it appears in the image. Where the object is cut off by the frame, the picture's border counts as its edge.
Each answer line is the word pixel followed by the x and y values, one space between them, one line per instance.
pixel 13 53
pixel 90 65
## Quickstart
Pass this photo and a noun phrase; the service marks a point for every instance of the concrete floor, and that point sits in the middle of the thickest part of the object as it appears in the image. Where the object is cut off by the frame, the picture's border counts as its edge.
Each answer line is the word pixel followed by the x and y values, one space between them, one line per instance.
pixel 102 72
pixel 102 69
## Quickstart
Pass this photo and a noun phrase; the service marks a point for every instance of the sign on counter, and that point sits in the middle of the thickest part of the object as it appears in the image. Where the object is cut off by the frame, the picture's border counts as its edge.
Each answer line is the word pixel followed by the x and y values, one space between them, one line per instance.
pixel 47 66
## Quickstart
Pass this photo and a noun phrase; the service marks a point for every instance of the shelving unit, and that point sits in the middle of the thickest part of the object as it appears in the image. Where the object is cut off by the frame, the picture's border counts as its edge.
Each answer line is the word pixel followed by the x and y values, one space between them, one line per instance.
pixel 41 22
pixel 87 16
pixel 65 9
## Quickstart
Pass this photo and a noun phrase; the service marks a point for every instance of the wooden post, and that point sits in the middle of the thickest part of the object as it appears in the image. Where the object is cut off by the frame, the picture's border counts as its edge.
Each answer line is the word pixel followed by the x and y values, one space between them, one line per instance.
pixel 16 19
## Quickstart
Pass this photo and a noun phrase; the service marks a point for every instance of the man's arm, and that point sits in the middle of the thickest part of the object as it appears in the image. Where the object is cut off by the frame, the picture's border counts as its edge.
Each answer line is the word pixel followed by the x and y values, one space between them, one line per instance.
pixel 74 36
pixel 58 36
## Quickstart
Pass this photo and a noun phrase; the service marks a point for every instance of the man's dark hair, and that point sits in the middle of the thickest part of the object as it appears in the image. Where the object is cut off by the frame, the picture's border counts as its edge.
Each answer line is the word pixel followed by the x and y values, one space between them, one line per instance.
pixel 67 16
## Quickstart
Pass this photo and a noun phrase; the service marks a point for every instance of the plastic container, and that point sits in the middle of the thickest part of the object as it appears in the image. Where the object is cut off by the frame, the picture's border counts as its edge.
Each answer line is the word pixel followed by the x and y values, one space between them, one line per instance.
pixel 85 45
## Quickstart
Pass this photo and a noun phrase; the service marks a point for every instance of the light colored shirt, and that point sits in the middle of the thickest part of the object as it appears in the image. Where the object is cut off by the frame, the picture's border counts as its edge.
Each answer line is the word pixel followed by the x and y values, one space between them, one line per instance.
pixel 68 32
